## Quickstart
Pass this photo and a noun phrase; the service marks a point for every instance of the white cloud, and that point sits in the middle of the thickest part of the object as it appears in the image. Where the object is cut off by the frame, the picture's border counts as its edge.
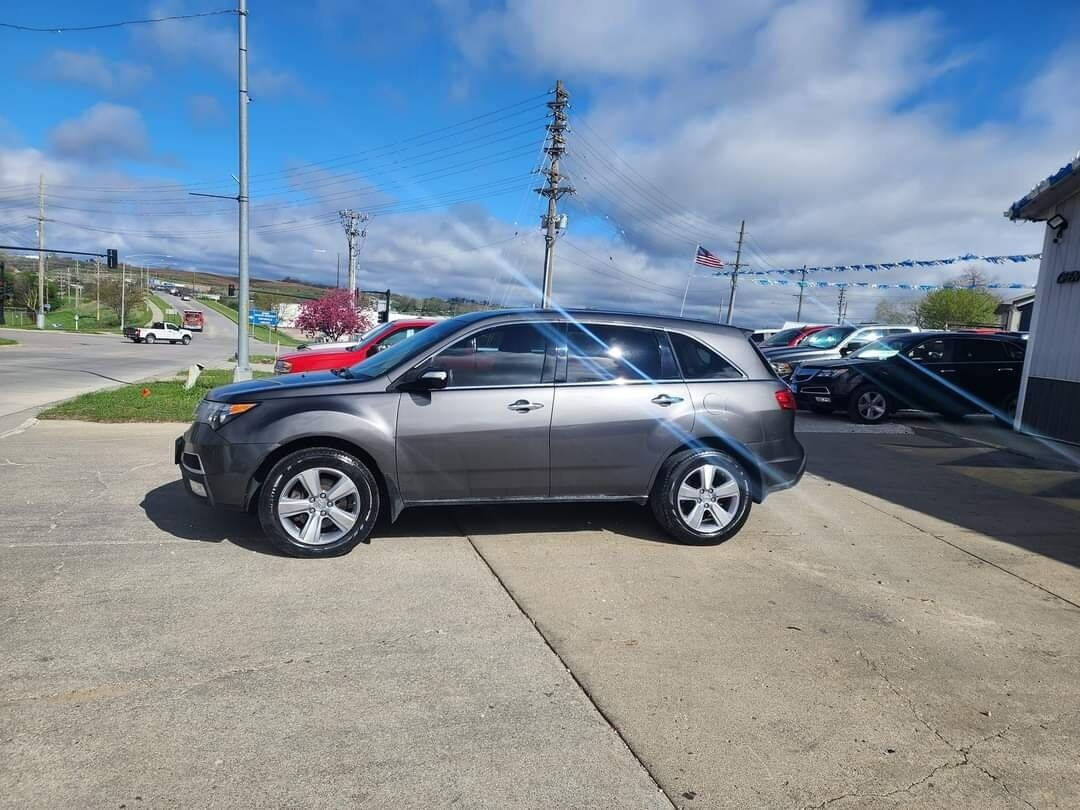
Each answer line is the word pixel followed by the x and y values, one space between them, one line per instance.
pixel 91 69
pixel 104 132
pixel 209 42
pixel 811 129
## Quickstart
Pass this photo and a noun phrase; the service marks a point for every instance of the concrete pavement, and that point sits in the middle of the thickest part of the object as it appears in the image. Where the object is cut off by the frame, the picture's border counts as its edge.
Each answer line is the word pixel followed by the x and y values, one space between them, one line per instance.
pixel 900 630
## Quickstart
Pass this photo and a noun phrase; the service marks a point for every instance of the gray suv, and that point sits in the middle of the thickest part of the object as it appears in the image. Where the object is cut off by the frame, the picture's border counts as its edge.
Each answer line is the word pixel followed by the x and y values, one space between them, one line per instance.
pixel 529 405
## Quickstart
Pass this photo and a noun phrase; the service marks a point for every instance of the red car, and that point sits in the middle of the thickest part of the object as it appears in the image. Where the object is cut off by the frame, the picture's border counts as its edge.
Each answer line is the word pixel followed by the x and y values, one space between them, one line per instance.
pixel 789 337
pixel 379 338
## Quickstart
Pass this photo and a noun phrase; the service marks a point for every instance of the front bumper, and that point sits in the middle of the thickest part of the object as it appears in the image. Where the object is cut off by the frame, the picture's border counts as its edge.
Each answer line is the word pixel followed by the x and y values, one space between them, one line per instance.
pixel 215 471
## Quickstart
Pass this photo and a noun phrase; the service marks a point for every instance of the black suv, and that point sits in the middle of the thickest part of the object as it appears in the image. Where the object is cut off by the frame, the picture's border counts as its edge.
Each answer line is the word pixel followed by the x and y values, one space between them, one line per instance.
pixel 951 373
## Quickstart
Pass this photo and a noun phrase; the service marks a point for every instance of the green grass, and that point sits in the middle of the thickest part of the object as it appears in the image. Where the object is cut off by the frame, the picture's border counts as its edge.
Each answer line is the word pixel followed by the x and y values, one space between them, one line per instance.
pixel 262 333
pixel 164 307
pixel 261 358
pixel 167 401
pixel 62 318
pixel 8 342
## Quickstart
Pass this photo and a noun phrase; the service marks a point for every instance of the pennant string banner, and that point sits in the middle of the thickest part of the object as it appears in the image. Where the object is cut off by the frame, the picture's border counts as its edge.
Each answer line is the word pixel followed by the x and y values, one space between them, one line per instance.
pixel 783 282
pixel 907 263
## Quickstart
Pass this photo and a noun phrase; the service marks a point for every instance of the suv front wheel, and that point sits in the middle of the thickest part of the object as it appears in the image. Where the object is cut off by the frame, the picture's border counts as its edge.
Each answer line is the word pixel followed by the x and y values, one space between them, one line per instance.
pixel 318 502
pixel 701 497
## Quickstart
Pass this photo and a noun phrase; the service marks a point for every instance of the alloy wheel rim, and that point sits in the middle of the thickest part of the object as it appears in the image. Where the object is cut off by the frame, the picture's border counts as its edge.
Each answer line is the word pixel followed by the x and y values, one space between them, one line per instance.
pixel 318 506
pixel 708 499
pixel 872 405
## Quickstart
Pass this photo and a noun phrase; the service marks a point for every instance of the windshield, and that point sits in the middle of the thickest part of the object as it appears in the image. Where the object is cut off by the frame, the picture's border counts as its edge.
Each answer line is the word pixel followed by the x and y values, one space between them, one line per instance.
pixel 828 338
pixel 781 338
pixel 404 351
pixel 369 334
pixel 881 349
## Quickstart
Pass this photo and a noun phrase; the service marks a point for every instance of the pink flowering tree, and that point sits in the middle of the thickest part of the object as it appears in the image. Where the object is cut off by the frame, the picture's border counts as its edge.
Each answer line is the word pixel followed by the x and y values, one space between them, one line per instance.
pixel 332 316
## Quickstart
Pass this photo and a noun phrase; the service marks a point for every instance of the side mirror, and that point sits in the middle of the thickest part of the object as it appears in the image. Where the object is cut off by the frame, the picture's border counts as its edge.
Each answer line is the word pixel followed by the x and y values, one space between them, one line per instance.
pixel 851 347
pixel 430 379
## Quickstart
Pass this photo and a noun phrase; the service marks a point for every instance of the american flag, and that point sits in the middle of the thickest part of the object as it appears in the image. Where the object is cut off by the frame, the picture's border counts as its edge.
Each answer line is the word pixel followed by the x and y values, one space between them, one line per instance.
pixel 708 259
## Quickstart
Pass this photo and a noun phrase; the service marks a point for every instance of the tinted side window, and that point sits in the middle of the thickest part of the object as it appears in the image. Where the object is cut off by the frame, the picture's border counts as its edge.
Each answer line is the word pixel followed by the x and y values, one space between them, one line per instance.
pixel 1014 350
pixel 929 351
pixel 978 351
pixel 502 355
pixel 699 362
pixel 599 353
pixel 396 337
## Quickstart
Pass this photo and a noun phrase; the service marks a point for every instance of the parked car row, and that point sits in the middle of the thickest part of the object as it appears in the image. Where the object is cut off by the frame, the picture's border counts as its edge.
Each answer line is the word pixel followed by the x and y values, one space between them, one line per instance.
pixel 950 373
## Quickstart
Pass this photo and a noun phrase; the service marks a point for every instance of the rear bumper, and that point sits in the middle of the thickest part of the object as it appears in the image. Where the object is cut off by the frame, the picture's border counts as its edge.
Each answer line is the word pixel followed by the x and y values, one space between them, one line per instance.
pixel 781 464
pixel 215 471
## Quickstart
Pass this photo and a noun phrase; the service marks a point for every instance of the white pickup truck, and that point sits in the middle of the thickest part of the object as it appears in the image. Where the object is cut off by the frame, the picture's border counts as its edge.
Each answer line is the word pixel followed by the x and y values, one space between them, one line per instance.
pixel 158 331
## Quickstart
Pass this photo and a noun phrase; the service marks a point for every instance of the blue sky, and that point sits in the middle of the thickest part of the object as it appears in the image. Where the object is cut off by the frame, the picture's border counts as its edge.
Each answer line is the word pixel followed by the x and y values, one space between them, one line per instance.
pixel 842 131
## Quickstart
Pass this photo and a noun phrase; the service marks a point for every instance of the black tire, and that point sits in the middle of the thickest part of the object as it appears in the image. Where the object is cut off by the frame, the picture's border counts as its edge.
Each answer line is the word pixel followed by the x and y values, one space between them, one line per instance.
pixel 149 339
pixel 869 405
pixel 1007 413
pixel 366 506
pixel 186 339
pixel 667 509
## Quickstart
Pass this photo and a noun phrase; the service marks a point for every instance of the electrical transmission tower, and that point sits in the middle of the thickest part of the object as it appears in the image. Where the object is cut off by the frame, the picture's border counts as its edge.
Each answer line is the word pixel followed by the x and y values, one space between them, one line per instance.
pixel 841 305
pixel 353 222
pixel 735 270
pixel 555 148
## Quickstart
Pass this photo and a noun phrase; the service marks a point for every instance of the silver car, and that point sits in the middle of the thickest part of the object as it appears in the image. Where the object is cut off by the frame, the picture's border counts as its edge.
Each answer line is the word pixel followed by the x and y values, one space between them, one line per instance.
pixel 497 407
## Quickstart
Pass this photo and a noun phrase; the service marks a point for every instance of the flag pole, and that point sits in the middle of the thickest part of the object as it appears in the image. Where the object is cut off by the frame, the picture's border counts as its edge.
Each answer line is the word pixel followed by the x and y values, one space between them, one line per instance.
pixel 690 276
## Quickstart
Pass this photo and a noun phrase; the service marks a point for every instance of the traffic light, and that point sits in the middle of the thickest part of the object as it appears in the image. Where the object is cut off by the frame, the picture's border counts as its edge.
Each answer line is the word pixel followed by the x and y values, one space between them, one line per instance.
pixel 111 259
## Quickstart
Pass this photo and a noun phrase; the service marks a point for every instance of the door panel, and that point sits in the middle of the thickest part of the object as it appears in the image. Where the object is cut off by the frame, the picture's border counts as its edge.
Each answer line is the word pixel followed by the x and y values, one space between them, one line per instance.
pixel 486 434
pixel 467 443
pixel 619 406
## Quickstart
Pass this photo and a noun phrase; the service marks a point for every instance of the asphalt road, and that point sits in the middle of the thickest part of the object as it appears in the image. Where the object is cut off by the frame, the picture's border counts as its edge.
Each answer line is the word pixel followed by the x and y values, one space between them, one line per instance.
pixel 50 366
pixel 901 630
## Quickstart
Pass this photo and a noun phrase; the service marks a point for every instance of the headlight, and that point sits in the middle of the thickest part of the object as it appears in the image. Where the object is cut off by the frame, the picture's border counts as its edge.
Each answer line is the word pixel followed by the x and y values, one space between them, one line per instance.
pixel 782 368
pixel 831 372
pixel 282 367
pixel 217 414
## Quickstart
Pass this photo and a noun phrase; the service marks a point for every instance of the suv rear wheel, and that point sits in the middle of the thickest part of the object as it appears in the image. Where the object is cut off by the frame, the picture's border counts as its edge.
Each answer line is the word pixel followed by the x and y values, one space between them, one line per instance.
pixel 318 502
pixel 701 497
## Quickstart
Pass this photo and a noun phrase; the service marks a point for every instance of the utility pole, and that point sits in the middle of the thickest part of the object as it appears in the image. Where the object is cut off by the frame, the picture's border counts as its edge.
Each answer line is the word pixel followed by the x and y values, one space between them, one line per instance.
pixel 735 271
pixel 337 278
pixel 123 292
pixel 841 305
pixel 802 287
pixel 243 370
pixel 352 222
pixel 555 148
pixel 97 288
pixel 41 253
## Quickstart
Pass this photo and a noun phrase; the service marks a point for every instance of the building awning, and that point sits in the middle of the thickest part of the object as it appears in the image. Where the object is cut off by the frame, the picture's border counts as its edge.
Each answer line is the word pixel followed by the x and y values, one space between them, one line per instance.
pixel 1036 204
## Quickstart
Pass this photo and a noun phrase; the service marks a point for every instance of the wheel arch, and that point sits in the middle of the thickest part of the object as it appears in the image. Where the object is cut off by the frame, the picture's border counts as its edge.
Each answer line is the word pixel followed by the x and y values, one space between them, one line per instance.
pixel 387 489
pixel 740 452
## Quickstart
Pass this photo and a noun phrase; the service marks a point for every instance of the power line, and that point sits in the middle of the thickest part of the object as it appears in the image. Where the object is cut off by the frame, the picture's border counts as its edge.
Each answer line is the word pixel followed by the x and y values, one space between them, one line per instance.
pixel 75 28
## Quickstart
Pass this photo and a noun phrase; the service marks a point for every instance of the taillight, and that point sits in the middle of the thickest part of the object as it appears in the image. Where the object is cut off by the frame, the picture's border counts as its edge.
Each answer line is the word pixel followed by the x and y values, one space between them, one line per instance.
pixel 785 399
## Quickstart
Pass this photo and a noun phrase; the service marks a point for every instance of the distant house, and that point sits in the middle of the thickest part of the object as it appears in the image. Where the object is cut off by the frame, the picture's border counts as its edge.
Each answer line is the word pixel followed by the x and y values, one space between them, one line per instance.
pixel 1015 315
pixel 1049 402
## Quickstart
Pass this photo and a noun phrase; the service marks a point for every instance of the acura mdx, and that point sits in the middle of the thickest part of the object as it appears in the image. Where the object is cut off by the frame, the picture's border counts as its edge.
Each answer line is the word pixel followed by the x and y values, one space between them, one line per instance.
pixel 506 406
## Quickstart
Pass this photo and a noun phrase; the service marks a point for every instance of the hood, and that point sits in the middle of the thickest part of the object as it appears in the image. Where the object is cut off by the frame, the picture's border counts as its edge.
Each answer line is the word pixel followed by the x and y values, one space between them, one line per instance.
pixel 308 383
pixel 330 348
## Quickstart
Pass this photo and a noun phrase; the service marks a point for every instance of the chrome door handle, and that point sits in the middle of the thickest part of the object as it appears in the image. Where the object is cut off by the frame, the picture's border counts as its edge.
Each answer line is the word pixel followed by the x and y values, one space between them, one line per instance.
pixel 523 406
pixel 1006 369
pixel 947 370
pixel 666 399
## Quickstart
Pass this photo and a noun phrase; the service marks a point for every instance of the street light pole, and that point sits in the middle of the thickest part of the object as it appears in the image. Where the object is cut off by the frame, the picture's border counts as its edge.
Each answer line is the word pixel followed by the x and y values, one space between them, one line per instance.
pixel 243 370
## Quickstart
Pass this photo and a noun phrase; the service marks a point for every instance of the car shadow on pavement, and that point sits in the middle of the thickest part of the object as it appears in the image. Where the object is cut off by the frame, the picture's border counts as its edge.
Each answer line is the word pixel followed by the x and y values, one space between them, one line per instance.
pixel 1024 500
pixel 172 510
